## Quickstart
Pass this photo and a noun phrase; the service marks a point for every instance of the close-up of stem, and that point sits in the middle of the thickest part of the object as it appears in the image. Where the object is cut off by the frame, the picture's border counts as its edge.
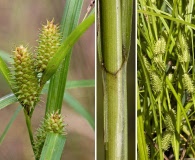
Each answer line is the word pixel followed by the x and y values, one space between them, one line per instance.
pixel 115 39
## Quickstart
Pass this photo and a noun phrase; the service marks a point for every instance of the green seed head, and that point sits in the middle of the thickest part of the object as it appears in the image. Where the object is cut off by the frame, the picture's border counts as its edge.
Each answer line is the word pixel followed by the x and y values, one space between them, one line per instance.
pixel 169 122
pixel 53 123
pixel 156 83
pixel 147 64
pixel 159 63
pixel 25 82
pixel 166 140
pixel 183 51
pixel 188 84
pixel 160 46
pixel 48 44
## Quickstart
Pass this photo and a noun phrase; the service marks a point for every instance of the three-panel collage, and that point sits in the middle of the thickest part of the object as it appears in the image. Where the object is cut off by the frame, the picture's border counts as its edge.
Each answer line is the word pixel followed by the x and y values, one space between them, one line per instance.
pixel 97 80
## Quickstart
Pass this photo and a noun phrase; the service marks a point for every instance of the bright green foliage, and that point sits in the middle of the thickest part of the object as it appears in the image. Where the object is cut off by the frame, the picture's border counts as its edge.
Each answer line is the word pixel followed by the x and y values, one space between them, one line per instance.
pixel 54 124
pixel 49 42
pixel 166 51
pixel 24 78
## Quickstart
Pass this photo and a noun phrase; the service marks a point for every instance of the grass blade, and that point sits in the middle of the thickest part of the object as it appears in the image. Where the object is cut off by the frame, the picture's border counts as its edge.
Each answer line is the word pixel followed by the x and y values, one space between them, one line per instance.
pixel 143 154
pixel 11 98
pixel 5 56
pixel 7 100
pixel 58 82
pixel 53 147
pixel 65 48
pixel 5 71
pixel 79 108
pixel 80 84
pixel 168 17
pixel 10 123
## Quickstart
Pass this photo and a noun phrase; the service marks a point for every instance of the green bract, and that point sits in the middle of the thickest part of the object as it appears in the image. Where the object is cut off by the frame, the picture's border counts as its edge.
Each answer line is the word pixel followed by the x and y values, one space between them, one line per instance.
pixel 53 123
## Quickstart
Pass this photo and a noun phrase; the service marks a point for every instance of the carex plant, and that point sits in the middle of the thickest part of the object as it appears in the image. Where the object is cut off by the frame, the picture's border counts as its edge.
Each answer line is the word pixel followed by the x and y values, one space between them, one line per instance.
pixel 165 86
pixel 26 73
pixel 31 70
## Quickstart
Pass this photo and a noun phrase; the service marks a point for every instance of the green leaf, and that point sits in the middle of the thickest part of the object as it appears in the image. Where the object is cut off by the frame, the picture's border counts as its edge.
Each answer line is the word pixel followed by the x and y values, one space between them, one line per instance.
pixel 10 123
pixel 58 81
pixel 65 48
pixel 79 108
pixel 11 98
pixel 7 100
pixel 5 71
pixel 80 84
pixel 168 17
pixel 53 147
pixel 5 56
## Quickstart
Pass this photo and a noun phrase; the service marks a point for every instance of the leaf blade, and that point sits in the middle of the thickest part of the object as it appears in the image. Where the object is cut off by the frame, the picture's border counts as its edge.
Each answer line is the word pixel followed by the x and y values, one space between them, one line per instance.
pixel 65 48
pixel 53 147
pixel 5 71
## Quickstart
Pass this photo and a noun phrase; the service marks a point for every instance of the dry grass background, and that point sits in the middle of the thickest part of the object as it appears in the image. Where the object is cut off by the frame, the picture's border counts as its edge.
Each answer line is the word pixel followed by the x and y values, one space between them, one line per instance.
pixel 19 23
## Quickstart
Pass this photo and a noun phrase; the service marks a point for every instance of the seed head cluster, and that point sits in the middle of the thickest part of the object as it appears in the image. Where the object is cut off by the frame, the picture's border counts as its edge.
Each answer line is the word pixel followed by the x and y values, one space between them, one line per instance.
pixel 49 42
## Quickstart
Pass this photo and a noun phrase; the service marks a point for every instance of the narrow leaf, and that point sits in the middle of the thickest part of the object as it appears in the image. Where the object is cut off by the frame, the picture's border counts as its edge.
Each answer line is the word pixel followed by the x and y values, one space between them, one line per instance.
pixel 11 98
pixel 65 48
pixel 53 147
pixel 7 100
pixel 80 84
pixel 79 108
pixel 5 71
pixel 5 56
pixel 57 85
pixel 10 123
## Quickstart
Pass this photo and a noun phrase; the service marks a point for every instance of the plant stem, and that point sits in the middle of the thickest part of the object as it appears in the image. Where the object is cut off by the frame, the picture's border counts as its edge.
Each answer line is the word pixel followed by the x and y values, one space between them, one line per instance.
pixel 140 57
pixel 143 154
pixel 58 81
pixel 29 127
pixel 114 80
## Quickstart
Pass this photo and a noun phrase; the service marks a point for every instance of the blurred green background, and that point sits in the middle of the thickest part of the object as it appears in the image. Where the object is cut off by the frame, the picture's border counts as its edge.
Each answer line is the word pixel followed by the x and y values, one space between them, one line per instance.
pixel 20 23
pixel 131 97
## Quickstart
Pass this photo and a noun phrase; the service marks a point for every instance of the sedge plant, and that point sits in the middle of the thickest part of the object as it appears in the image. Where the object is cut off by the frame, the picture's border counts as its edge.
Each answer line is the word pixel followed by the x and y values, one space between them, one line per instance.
pixel 165 97
pixel 31 72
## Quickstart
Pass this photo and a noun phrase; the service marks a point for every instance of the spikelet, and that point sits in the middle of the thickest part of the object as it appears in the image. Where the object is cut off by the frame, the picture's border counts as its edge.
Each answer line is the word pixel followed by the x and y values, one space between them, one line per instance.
pixel 53 123
pixel 156 83
pixel 183 50
pixel 24 78
pixel 48 44
pixel 169 122
pixel 159 63
pixel 166 140
pixel 160 46
pixel 188 84
pixel 147 64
